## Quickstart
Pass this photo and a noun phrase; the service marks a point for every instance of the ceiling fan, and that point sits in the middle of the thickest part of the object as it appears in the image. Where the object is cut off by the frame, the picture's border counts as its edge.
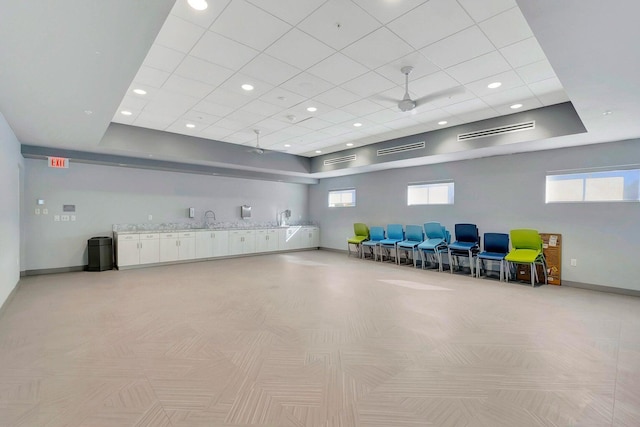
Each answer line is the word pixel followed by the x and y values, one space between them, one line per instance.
pixel 257 149
pixel 408 104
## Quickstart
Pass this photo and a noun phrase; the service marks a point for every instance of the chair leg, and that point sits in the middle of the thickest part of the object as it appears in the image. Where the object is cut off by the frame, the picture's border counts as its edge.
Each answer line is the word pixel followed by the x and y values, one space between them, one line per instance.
pixel 471 262
pixel 534 274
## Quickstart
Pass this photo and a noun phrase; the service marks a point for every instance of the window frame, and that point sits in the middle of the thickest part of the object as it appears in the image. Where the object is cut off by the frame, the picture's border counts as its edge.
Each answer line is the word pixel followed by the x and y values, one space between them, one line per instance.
pixel 341 191
pixel 630 190
pixel 450 183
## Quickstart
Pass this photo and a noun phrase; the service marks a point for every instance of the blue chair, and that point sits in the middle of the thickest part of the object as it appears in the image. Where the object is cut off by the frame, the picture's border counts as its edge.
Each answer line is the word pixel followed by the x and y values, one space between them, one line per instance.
pixel 496 247
pixel 467 244
pixel 376 234
pixel 395 235
pixel 413 238
pixel 436 242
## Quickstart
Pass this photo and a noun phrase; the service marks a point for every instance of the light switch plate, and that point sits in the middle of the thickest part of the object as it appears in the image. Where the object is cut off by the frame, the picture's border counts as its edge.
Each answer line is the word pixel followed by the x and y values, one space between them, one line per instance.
pixel 45 211
pixel 73 217
pixel 56 217
pixel 37 211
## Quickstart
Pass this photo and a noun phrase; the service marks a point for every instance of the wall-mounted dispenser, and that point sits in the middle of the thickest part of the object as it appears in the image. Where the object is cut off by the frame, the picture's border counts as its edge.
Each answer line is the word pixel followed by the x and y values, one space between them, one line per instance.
pixel 245 211
pixel 192 212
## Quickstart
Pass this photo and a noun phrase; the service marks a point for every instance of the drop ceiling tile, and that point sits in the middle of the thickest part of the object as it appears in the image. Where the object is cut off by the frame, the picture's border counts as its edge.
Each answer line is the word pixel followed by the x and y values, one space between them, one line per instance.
pixel 338 23
pixel 299 49
pixel 163 58
pixel 202 18
pixel 180 127
pixel 291 11
pixel 171 102
pixel 269 69
pixel 194 116
pixel 215 132
pixel 467 44
pixel 476 116
pixel 220 50
pixel 375 129
pixel 213 108
pixel 204 71
pixel 258 106
pixel 133 103
pixel 235 82
pixel 178 34
pixel 362 108
pixel 247 24
pixel 229 124
pixel 337 116
pixel 271 125
pixel 245 117
pixel 125 120
pixel 549 91
pixel 337 69
pixel 188 87
pixel 337 97
pixel 378 48
pixel 511 96
pixel 228 98
pixel 509 80
pixel 282 97
pixel 446 97
pixel 384 116
pixel 402 123
pixel 421 67
pixel 481 10
pixel 307 85
pixel 506 28
pixel 368 84
pixel 385 10
pixel 430 22
pixel 314 123
pixel 527 104
pixel 466 107
pixel 536 72
pixel 523 52
pixel 431 84
pixel 155 120
pixel 433 117
pixel 478 68
pixel 151 77
pixel 552 98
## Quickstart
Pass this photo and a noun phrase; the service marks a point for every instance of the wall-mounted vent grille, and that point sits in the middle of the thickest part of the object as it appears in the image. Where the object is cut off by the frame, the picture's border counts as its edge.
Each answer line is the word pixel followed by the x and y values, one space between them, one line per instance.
pixel 342 159
pixel 497 131
pixel 401 148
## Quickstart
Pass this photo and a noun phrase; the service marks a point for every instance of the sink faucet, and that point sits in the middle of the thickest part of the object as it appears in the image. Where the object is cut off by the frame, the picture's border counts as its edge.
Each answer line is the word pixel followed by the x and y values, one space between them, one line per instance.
pixel 208 215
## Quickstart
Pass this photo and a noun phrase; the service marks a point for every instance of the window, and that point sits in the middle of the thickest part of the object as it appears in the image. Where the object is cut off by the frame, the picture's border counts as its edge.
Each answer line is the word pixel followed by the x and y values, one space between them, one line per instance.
pixel 436 193
pixel 598 186
pixel 342 198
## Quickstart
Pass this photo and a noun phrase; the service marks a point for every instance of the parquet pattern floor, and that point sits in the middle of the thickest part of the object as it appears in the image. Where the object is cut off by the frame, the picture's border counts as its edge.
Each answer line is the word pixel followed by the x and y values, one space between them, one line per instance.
pixel 314 339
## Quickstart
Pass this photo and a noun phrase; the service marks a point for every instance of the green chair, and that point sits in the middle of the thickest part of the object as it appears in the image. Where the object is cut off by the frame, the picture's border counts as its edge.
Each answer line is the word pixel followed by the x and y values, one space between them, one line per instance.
pixel 527 249
pixel 361 234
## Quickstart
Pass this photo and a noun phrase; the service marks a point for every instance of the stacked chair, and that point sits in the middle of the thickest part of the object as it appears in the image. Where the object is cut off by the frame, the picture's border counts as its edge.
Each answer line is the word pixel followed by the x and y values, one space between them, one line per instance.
pixel 414 237
pixel 376 234
pixel 467 245
pixel 496 247
pixel 435 244
pixel 527 249
pixel 395 235
pixel 361 232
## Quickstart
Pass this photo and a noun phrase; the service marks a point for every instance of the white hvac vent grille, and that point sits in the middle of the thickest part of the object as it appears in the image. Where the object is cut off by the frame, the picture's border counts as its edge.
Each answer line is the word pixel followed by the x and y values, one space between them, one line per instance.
pixel 400 148
pixel 497 131
pixel 342 159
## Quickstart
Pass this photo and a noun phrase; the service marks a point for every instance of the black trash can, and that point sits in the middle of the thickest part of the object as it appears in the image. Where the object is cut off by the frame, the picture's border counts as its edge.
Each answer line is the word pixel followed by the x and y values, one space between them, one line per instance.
pixel 100 254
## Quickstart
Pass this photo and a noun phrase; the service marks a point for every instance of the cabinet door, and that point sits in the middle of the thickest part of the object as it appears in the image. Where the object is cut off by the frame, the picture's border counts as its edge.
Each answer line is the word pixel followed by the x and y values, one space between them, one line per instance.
pixel 236 239
pixel 169 249
pixel 187 246
pixel 149 248
pixel 262 241
pixel 309 237
pixel 128 250
pixel 204 244
pixel 220 243
pixel 315 237
pixel 272 240
pixel 249 242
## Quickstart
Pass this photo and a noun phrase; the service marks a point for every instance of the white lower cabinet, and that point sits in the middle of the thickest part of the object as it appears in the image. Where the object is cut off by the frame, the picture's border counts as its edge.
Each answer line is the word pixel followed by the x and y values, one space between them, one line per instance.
pixel 134 249
pixel 242 242
pixel 177 246
pixel 267 240
pixel 212 243
pixel 309 237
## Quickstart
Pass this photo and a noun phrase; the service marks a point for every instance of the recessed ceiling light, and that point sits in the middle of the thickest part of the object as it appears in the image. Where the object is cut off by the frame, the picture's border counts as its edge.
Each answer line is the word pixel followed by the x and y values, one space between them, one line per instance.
pixel 190 125
pixel 287 145
pixel 247 86
pixel 442 122
pixel 312 109
pixel 357 124
pixel 318 151
pixel 198 4
pixel 494 85
pixel 140 91
pixel 607 113
pixel 126 113
pixel 349 144
pixel 516 106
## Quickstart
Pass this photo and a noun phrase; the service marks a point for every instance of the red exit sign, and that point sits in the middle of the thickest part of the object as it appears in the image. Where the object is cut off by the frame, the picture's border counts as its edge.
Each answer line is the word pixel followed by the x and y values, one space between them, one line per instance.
pixel 58 162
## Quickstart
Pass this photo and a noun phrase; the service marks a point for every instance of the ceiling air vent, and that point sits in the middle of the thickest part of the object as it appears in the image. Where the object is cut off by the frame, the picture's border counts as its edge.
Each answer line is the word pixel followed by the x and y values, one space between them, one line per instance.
pixel 497 131
pixel 400 148
pixel 342 159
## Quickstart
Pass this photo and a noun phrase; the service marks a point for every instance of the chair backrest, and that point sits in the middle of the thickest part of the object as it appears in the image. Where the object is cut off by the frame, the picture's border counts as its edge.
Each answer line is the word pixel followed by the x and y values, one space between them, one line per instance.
pixel 361 229
pixel 434 230
pixel 496 242
pixel 394 231
pixel 526 238
pixel 467 233
pixel 376 233
pixel 414 233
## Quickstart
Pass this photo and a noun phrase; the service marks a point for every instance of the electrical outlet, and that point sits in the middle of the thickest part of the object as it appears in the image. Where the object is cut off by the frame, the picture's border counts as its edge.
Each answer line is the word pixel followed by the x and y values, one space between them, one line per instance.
pixel 64 217
pixel 37 211
pixel 73 217
pixel 150 217
pixel 574 262
pixel 45 211
pixel 56 217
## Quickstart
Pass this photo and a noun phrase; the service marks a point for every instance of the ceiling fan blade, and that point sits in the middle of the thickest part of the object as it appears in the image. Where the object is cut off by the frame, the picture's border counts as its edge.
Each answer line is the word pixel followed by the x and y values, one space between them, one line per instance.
pixel 445 93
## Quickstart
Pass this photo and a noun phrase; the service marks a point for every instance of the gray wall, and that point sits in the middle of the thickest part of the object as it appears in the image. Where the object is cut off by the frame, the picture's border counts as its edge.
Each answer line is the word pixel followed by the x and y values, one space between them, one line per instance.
pixel 501 193
pixel 11 169
pixel 107 195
